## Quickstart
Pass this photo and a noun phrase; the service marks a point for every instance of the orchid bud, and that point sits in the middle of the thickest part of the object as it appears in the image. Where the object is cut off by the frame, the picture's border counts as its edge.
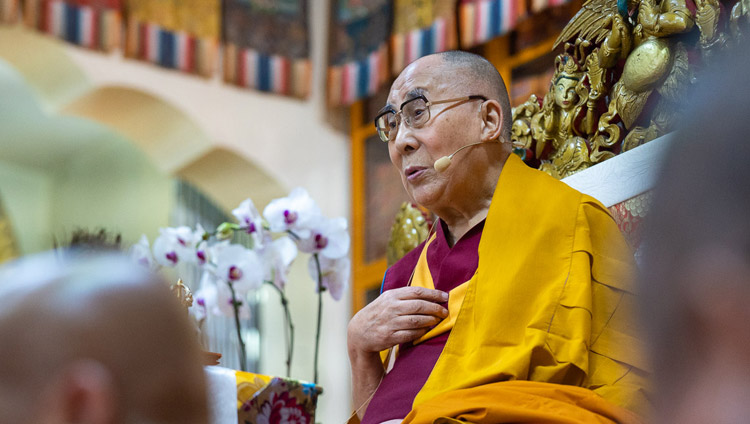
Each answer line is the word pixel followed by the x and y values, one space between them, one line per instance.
pixel 226 230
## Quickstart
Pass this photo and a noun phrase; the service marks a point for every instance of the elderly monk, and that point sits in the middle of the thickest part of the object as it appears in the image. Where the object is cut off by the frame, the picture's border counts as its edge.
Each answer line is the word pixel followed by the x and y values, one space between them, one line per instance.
pixel 517 307
pixel 93 339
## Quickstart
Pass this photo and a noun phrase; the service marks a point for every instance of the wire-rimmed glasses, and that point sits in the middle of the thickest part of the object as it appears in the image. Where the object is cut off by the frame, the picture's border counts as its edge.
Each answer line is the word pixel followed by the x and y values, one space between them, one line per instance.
pixel 415 112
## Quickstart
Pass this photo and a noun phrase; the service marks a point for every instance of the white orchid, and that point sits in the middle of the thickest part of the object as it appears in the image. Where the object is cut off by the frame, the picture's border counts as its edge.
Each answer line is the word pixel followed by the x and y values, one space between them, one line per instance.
pixel 278 256
pixel 334 274
pixel 238 266
pixel 249 217
pixel 141 253
pixel 176 245
pixel 293 213
pixel 329 237
pixel 215 298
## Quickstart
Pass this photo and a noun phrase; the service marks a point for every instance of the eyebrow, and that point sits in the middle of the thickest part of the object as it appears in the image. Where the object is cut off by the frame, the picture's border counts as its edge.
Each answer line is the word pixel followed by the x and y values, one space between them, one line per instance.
pixel 410 95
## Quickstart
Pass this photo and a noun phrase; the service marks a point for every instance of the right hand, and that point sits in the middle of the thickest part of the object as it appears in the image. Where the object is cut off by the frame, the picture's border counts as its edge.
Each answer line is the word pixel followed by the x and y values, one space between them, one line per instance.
pixel 397 316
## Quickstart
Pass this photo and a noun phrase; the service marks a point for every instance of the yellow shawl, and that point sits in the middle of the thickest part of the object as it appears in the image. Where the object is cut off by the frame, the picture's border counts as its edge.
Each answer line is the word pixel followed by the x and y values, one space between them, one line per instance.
pixel 551 302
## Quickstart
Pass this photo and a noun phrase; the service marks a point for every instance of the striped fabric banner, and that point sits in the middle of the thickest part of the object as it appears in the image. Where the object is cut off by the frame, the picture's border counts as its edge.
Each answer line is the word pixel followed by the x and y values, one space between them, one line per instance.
pixel 358 62
pixel 419 42
pixel 8 11
pixel 271 73
pixel 482 20
pixel 171 49
pixel 267 46
pixel 92 24
pixel 174 34
pixel 354 80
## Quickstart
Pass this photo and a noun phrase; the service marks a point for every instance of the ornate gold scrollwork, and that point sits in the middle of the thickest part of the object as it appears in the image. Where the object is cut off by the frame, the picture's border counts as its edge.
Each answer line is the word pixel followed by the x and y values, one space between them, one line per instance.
pixel 627 66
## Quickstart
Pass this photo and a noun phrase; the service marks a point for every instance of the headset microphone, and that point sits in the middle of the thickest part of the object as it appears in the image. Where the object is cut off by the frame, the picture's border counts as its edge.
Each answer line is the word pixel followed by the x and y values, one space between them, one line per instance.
pixel 444 162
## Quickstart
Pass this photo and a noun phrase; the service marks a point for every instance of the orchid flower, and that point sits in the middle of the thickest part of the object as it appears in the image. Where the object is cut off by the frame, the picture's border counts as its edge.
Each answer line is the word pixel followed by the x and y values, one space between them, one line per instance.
pixel 141 253
pixel 177 244
pixel 238 266
pixel 329 237
pixel 278 256
pixel 334 274
pixel 293 213
pixel 215 298
pixel 249 217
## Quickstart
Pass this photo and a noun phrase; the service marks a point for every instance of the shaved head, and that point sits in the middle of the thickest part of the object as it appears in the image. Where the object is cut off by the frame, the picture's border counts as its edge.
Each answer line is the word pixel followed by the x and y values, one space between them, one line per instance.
pixel 481 77
pixel 97 328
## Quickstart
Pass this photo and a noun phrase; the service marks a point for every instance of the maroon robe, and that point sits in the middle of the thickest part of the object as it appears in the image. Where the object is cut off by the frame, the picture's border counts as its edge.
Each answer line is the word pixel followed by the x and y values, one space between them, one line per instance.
pixel 449 267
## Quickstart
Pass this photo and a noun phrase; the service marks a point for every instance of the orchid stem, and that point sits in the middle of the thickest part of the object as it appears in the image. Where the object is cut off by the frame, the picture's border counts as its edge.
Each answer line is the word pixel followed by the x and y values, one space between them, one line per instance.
pixel 320 314
pixel 236 308
pixel 288 329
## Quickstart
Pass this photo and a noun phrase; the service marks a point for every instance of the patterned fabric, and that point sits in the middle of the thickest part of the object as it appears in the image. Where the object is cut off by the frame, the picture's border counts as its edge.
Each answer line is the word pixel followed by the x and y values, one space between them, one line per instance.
pixel 265 400
pixel 358 61
pixel 267 45
pixel 94 24
pixel 482 20
pixel 177 34
pixel 420 28
pixel 8 11
pixel 629 215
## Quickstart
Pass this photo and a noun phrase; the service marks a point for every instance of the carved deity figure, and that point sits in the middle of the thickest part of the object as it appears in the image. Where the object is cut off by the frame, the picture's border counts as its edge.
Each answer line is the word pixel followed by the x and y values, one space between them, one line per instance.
pixel 561 122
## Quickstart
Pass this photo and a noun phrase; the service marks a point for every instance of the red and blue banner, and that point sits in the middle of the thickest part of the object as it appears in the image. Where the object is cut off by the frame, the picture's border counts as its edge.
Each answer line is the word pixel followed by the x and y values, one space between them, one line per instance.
pixel 175 34
pixel 422 28
pixel 95 24
pixel 267 46
pixel 358 49
pixel 483 20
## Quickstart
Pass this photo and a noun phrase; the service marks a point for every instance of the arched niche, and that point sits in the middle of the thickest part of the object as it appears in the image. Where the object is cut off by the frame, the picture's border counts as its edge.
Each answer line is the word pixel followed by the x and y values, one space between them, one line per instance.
pixel 55 131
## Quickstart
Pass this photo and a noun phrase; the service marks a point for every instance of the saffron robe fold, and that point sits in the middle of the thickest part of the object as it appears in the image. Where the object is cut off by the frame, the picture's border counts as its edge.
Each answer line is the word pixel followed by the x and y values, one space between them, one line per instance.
pixel 552 300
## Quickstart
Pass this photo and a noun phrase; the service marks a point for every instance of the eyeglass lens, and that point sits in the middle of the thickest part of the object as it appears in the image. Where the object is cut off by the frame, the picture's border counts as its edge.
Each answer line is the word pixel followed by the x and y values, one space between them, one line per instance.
pixel 415 112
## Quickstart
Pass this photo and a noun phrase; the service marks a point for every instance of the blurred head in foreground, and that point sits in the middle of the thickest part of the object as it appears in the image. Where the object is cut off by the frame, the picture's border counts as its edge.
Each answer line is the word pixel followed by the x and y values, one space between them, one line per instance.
pixel 696 284
pixel 94 339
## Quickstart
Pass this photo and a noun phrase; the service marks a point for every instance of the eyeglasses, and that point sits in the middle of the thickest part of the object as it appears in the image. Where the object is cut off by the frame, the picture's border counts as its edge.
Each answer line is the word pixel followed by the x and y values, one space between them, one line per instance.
pixel 415 112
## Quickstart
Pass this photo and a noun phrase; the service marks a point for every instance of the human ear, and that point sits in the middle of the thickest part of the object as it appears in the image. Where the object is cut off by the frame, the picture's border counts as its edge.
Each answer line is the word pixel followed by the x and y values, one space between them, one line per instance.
pixel 492 120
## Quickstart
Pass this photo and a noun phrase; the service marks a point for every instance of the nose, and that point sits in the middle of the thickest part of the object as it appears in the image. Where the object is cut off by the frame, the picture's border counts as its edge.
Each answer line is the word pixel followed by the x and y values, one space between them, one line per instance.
pixel 405 140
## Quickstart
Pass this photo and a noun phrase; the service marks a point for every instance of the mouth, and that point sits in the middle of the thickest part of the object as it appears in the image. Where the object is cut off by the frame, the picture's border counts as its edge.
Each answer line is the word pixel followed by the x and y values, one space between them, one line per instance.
pixel 413 172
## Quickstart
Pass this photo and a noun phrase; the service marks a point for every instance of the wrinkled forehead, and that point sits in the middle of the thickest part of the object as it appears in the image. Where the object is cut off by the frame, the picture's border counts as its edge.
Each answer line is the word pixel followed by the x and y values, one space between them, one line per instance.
pixel 424 77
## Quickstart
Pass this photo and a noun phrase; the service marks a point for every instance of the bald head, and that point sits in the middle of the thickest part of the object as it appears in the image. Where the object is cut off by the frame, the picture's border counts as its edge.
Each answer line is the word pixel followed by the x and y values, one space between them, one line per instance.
pixel 481 76
pixel 95 337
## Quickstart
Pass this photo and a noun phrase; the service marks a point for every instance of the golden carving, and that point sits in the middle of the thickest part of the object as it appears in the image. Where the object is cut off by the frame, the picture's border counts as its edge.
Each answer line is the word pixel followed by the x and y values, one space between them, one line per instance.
pixel 409 230
pixel 623 77
pixel 183 294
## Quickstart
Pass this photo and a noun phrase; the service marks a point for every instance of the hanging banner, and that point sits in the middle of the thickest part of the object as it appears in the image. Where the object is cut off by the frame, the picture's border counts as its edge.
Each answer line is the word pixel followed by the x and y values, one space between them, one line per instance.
pixel 94 24
pixel 267 45
pixel 8 11
pixel 482 20
pixel 358 49
pixel 176 34
pixel 421 27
